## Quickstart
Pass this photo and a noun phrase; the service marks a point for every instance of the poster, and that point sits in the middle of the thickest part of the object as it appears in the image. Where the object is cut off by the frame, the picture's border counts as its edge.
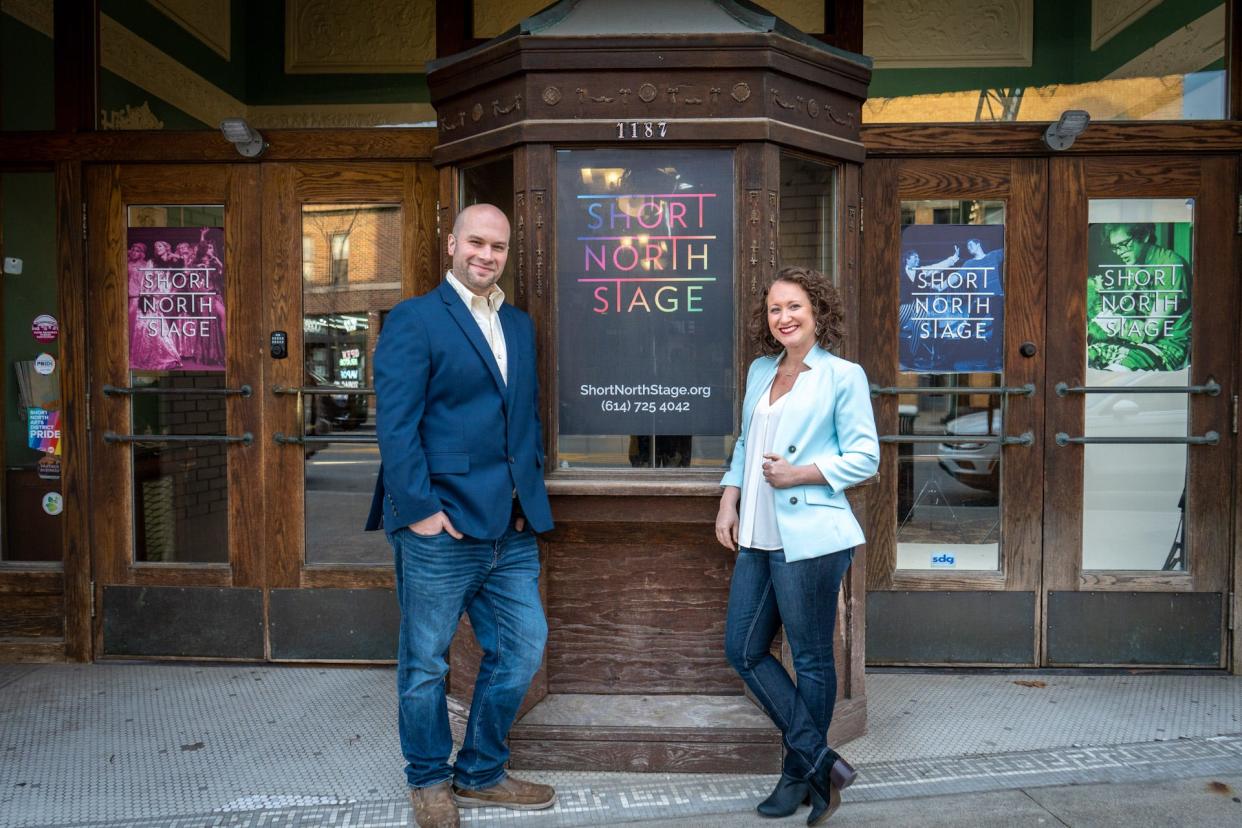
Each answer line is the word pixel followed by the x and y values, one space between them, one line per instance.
pixel 43 429
pixel 952 298
pixel 1138 296
pixel 645 292
pixel 176 298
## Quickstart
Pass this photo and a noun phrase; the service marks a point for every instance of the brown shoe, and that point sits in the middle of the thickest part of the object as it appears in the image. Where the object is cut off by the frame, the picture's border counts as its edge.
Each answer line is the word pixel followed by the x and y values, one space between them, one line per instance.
pixel 433 807
pixel 510 792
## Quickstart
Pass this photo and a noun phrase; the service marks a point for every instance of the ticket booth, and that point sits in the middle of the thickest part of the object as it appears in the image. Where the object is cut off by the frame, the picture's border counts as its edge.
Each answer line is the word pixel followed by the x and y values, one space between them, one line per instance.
pixel 658 173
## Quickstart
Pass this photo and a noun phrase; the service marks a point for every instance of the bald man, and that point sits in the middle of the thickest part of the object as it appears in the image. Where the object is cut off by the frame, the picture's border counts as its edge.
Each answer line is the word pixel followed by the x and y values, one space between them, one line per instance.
pixel 460 495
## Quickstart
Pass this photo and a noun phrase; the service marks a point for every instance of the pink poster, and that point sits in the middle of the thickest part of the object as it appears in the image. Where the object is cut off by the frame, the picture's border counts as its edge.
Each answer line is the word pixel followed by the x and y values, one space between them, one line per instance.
pixel 176 298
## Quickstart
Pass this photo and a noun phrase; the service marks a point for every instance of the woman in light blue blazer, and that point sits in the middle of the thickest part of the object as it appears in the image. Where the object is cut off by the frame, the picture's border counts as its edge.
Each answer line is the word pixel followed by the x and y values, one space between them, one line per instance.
pixel 807 435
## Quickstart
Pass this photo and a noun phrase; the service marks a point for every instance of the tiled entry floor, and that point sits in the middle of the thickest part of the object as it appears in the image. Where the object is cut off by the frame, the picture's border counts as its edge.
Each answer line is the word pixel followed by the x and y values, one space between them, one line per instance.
pixel 143 744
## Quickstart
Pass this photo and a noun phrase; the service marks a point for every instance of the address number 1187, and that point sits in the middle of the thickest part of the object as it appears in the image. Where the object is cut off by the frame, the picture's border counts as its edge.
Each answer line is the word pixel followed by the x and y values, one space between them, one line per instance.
pixel 642 129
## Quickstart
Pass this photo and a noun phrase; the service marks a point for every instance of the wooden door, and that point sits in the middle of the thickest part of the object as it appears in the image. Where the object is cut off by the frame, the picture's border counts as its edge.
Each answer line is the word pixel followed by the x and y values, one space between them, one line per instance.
pixel 1142 300
pixel 954 538
pixel 175 418
pixel 342 244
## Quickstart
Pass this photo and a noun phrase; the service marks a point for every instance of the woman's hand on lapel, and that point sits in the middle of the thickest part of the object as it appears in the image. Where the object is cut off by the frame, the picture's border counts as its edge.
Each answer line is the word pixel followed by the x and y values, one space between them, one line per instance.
pixel 778 472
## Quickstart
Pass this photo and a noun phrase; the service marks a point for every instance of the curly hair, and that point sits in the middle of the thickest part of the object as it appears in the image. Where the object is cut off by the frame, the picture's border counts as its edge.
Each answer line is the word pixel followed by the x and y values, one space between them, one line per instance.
pixel 826 309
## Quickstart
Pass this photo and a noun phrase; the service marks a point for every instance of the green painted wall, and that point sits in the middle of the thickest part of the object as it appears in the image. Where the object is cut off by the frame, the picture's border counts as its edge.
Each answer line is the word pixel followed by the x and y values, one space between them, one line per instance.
pixel 29 226
pixel 26 87
pixel 115 93
pixel 144 20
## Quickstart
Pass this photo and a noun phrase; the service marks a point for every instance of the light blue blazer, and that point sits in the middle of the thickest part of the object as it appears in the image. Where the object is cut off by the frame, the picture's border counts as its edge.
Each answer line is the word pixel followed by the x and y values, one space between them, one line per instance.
pixel 827 421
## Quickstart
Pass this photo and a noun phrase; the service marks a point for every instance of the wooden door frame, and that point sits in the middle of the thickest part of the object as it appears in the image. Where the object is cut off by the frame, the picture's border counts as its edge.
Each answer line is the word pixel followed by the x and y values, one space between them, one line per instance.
pixel 1022 184
pixel 1211 181
pixel 109 188
pixel 286 187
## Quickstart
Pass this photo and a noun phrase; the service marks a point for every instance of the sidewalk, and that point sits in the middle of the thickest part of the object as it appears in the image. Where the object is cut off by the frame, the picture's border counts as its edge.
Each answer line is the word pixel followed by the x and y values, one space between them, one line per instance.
pixel 251 745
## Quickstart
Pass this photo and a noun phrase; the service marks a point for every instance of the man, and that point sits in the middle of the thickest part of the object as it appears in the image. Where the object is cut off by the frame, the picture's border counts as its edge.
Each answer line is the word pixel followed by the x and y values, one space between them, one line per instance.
pixel 460 490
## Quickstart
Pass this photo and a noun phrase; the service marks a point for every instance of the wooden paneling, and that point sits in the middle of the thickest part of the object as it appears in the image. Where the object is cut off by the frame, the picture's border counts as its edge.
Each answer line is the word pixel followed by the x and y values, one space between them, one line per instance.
pixel 75 469
pixel 75 56
pixel 1023 139
pixel 637 616
pixel 282 301
pixel 107 290
pixel 1215 295
pixel 881 253
pixel 1138 177
pixel 1022 477
pixel 32 616
pixel 1067 257
pixel 169 146
pixel 954 178
pixel 244 295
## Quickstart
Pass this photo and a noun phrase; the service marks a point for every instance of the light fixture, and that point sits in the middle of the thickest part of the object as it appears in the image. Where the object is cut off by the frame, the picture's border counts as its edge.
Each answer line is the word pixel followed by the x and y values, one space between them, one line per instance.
pixel 243 136
pixel 1061 135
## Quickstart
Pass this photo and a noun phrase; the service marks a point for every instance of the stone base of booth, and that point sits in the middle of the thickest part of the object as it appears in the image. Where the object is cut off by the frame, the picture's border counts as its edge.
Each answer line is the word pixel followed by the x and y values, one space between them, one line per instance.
pixel 674 733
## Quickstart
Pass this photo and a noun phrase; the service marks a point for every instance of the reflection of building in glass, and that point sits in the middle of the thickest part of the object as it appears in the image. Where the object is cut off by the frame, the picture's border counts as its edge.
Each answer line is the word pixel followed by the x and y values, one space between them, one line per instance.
pixel 351 276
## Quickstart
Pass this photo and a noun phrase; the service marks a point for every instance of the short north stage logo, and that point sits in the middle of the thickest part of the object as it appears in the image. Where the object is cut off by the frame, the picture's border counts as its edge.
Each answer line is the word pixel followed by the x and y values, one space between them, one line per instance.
pixel 647 253
pixel 644 298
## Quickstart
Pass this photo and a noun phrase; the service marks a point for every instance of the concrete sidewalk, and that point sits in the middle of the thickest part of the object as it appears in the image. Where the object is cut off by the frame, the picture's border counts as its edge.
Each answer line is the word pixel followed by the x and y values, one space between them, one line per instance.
pixel 251 745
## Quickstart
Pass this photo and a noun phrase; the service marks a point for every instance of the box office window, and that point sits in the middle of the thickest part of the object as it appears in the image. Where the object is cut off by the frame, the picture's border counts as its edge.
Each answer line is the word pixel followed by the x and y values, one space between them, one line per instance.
pixel 645 308
pixel 964 60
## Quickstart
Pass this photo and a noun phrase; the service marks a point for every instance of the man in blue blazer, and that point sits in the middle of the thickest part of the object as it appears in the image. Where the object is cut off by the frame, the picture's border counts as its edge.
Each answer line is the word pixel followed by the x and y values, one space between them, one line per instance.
pixel 459 492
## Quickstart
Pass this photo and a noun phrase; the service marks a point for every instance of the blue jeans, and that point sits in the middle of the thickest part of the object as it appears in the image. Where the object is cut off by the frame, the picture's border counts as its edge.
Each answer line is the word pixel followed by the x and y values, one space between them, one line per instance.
pixel 497 583
pixel 767 592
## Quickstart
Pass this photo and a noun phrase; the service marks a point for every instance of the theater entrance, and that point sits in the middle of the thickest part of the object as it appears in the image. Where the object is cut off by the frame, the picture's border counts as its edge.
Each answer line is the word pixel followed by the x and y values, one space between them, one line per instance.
pixel 1054 385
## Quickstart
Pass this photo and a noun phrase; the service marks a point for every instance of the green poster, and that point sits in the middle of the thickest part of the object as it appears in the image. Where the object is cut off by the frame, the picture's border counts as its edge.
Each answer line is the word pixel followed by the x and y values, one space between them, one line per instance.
pixel 1138 296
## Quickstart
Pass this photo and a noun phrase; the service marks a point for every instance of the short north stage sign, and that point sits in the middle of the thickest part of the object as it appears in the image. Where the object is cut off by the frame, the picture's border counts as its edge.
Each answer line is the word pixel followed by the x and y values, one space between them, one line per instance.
pixel 645 291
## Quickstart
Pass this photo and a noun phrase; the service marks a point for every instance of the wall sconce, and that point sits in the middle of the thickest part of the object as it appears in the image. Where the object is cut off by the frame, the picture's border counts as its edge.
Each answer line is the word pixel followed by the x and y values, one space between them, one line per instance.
pixel 244 137
pixel 1061 135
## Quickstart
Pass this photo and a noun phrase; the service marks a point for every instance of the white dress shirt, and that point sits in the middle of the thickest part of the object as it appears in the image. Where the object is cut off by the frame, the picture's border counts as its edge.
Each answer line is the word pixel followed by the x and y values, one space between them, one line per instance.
pixel 757 527
pixel 486 311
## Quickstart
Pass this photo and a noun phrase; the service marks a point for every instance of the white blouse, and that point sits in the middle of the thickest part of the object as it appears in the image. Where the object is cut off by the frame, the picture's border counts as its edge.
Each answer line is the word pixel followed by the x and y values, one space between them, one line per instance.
pixel 757 527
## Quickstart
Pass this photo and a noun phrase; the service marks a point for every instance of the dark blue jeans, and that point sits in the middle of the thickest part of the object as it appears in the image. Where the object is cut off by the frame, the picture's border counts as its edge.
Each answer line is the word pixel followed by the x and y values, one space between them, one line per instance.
pixel 767 592
pixel 497 583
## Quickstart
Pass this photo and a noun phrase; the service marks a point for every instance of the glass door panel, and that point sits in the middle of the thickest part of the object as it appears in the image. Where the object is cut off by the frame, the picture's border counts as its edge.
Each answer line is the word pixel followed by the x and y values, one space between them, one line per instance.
pixel 951 328
pixel 351 278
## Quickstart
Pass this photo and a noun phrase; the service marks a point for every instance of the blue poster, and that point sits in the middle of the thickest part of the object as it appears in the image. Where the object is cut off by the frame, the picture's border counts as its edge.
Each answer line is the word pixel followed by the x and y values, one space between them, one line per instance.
pixel 952 298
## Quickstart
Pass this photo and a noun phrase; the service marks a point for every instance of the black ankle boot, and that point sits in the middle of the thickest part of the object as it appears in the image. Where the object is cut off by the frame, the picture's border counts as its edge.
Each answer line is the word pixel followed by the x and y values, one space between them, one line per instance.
pixel 785 798
pixel 834 775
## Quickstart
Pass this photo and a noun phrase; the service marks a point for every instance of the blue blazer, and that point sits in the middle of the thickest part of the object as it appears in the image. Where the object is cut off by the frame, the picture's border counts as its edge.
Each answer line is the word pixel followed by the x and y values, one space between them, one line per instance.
pixel 827 421
pixel 453 435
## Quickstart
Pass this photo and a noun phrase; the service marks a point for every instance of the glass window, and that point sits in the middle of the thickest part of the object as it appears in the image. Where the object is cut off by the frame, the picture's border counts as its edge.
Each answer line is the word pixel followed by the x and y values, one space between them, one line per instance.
pixel 645 308
pixel 1138 297
pixel 491 182
pixel 808 219
pixel 953 62
pixel 950 336
pixel 177 342
pixel 342 306
pixel 32 449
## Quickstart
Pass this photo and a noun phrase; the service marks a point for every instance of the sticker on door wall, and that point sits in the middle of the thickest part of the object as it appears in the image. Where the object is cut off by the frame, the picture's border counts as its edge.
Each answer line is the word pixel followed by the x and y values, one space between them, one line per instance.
pixel 53 503
pixel 45 363
pixel 943 559
pixel 43 429
pixel 176 298
pixel 48 467
pixel 45 328
pixel 952 297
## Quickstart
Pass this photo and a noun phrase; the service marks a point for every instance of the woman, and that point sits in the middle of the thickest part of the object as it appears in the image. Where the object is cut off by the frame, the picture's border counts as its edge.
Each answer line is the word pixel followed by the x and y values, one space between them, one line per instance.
pixel 807 434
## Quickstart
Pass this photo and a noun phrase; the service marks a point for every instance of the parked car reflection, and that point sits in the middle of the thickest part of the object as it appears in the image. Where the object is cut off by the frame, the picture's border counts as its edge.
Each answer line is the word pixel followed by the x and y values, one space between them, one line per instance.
pixel 975 464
